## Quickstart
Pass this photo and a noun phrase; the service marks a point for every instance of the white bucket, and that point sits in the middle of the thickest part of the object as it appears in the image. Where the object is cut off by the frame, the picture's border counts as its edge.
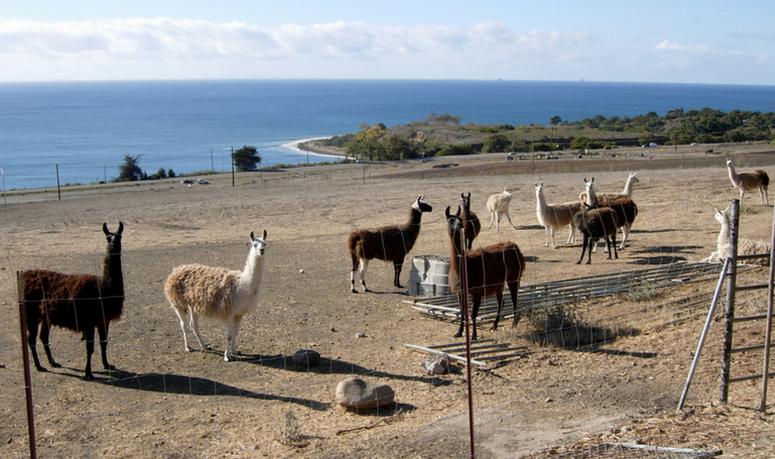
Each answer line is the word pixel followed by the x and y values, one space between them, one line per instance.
pixel 429 275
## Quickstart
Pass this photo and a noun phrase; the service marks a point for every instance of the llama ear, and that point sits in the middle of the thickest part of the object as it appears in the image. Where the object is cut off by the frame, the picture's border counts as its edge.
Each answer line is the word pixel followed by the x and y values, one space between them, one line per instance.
pixel 120 228
pixel 252 236
pixel 264 238
pixel 105 229
pixel 463 195
pixel 446 212
pixel 458 211
pixel 469 195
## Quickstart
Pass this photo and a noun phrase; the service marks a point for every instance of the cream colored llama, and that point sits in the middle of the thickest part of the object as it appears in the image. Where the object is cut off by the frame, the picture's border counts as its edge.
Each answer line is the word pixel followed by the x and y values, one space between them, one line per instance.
pixel 218 293
pixel 747 181
pixel 744 246
pixel 555 216
pixel 498 206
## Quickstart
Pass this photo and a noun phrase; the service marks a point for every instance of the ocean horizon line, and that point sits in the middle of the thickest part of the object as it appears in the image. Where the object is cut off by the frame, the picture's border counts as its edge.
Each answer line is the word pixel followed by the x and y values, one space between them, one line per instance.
pixel 378 80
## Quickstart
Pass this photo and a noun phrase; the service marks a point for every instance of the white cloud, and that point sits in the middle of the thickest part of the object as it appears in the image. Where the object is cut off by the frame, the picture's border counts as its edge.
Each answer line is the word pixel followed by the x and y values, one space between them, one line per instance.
pixel 667 45
pixel 164 38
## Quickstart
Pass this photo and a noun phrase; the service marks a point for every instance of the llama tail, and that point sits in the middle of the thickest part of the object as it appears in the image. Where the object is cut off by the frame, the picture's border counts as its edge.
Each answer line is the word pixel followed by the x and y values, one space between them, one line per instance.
pixel 352 245
pixel 765 178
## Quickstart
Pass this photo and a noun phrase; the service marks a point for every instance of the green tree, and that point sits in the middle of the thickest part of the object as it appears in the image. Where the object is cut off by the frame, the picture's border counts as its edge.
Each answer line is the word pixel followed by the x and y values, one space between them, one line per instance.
pixel 496 143
pixel 170 173
pixel 129 170
pixel 366 143
pixel 555 120
pixel 246 158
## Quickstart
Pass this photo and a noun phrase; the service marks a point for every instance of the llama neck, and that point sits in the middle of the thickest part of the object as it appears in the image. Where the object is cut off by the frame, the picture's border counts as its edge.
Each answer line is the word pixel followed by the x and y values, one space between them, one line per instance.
pixel 456 251
pixel 591 197
pixel 412 228
pixel 724 235
pixel 628 187
pixel 541 206
pixel 253 270
pixel 112 276
pixel 733 177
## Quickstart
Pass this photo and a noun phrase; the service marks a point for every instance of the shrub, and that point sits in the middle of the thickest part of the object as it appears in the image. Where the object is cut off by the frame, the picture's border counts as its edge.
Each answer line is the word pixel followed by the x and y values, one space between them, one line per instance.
pixel 246 158
pixel 497 142
pixel 460 149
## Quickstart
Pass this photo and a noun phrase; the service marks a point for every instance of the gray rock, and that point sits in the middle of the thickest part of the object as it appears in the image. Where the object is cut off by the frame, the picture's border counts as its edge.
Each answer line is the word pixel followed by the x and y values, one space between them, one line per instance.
pixel 360 335
pixel 358 394
pixel 436 365
pixel 306 358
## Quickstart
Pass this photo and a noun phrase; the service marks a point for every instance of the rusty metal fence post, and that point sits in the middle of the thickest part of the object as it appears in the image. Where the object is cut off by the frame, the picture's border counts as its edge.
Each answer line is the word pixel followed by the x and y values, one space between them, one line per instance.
pixel 730 308
pixel 26 366
pixel 466 317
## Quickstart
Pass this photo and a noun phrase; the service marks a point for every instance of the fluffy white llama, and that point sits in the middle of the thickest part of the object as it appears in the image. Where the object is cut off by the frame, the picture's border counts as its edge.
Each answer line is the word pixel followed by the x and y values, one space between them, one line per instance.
pixel 498 206
pixel 555 216
pixel 747 181
pixel 632 179
pixel 744 246
pixel 217 293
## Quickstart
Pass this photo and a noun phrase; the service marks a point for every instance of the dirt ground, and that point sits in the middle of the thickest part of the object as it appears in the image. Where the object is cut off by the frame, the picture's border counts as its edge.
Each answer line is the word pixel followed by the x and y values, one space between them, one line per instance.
pixel 165 402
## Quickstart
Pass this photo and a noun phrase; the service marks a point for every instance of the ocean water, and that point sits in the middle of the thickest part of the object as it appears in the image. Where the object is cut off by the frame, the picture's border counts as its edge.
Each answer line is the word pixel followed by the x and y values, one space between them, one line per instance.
pixel 86 128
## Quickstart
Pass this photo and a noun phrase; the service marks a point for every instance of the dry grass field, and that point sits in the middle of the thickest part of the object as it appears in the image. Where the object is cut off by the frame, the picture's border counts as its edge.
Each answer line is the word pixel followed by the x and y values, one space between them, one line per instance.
pixel 165 402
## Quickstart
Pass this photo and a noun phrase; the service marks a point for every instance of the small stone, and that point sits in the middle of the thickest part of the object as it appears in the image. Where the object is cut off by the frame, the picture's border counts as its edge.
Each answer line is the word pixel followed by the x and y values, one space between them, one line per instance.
pixel 436 365
pixel 548 400
pixel 360 335
pixel 306 358
pixel 357 394
pixel 301 271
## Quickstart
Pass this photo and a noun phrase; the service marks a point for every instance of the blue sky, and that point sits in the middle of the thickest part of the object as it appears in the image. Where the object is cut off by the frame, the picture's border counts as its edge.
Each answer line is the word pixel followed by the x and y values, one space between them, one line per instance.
pixel 656 41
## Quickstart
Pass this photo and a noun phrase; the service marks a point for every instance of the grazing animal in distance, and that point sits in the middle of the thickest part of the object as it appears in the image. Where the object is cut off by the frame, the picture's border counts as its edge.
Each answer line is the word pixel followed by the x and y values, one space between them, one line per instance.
pixel 498 206
pixel 388 243
pixel 555 216
pixel 471 223
pixel 218 293
pixel 747 181
pixel 487 270
pixel 744 246
pixel 77 302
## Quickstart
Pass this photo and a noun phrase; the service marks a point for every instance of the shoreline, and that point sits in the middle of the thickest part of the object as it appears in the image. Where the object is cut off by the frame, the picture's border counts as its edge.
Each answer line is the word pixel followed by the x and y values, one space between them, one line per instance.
pixel 309 146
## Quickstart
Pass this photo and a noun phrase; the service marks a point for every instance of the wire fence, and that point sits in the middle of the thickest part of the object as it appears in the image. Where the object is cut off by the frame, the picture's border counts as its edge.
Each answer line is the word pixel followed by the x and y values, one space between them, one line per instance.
pixel 289 395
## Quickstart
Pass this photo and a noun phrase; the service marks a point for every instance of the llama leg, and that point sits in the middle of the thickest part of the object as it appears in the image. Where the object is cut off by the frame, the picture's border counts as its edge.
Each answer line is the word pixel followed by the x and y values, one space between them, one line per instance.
pixel 356 263
pixel 514 290
pixel 474 313
pixel 546 236
pixel 583 248
pixel 88 336
pixel 364 265
pixel 589 253
pixel 182 328
pixel 508 215
pixel 742 193
pixel 397 277
pixel 234 343
pixel 499 300
pixel 194 322
pixel 45 329
pixel 102 331
pixel 32 337
pixel 230 332
pixel 625 235
pixel 551 233
pixel 571 234
pixel 613 244
pixel 463 318
pixel 497 221
pixel 492 218
pixel 608 246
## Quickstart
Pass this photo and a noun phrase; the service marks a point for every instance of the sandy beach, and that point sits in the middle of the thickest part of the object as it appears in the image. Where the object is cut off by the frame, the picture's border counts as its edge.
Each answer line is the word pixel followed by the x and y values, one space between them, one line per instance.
pixel 165 402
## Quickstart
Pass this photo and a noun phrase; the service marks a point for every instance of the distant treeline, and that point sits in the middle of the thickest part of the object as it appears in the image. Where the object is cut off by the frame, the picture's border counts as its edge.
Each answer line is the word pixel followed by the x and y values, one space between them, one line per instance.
pixel 440 135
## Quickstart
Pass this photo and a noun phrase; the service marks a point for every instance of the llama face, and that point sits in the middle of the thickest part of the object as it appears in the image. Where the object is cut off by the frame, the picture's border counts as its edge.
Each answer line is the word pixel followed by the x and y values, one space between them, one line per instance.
pixel 465 201
pixel 258 243
pixel 634 177
pixel 421 206
pixel 539 187
pixel 454 223
pixel 721 216
pixel 114 239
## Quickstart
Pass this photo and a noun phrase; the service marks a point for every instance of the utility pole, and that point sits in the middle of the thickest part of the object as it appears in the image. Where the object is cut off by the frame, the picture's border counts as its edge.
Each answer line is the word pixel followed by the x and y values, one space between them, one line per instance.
pixel 59 191
pixel 212 166
pixel 232 167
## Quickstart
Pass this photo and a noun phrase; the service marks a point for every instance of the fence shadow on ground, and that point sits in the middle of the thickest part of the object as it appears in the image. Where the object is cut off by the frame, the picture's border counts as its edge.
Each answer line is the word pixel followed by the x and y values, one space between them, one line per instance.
pixel 169 383
pixel 328 366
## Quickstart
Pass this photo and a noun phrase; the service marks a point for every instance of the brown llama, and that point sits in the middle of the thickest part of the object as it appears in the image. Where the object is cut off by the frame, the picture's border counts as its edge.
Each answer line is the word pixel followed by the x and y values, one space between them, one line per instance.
pixel 487 269
pixel 388 243
pixel 77 302
pixel 471 223
pixel 747 181
pixel 594 223
pixel 625 208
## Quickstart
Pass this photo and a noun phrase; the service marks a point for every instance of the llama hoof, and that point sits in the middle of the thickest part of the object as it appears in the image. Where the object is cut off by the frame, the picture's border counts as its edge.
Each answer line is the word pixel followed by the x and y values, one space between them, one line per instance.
pixel 354 291
pixel 110 368
pixel 188 349
pixel 227 358
pixel 399 286
pixel 41 369
pixel 457 335
pixel 88 377
pixel 55 365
